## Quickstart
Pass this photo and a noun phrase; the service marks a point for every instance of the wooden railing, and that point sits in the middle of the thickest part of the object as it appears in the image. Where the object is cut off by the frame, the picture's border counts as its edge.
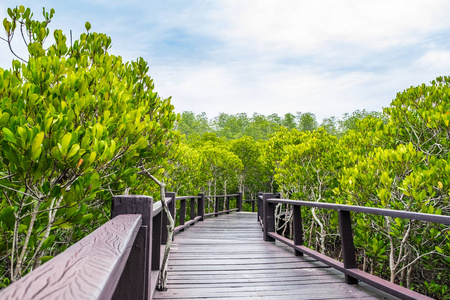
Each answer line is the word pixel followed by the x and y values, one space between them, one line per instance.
pixel 197 208
pixel 122 258
pixel 119 260
pixel 266 216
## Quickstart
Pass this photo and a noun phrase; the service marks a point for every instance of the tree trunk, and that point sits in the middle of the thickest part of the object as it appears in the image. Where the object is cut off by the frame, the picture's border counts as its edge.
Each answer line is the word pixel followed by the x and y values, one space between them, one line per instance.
pixel 162 282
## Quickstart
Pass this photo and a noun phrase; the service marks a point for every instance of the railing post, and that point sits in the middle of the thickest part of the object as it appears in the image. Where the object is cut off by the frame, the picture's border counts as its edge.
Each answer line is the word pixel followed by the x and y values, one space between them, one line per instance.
pixel 348 248
pixel 165 221
pixel 268 216
pixel 192 210
pixel 172 205
pixel 135 281
pixel 259 206
pixel 201 206
pixel 156 240
pixel 239 202
pixel 253 205
pixel 297 226
pixel 216 206
pixel 227 203
pixel 182 212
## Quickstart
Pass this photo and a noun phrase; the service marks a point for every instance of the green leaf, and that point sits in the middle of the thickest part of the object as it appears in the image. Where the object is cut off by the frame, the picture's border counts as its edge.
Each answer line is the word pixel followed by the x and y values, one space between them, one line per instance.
pixel 27 13
pixel 36 146
pixel 56 191
pixel 73 150
pixel 65 226
pixel 56 153
pixel 92 157
pixel 8 183
pixel 76 218
pixel 86 219
pixel 65 142
pixel 4 119
pixel 7 216
pixel 46 187
pixel 70 211
pixel 46 258
pixel 142 143
pixel 48 242
pixel 87 25
pixel 9 136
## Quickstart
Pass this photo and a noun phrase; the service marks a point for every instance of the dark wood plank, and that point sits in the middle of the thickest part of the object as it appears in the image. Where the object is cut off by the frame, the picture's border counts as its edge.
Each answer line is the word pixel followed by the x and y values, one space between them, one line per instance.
pixel 226 258
pixel 311 291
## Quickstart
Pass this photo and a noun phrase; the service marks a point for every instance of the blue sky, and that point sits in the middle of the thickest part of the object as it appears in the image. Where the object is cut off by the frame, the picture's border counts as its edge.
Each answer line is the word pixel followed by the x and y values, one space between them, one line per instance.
pixel 326 57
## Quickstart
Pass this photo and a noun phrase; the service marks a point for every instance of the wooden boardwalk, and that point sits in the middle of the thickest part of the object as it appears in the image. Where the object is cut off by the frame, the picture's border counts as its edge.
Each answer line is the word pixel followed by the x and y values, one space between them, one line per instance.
pixel 226 258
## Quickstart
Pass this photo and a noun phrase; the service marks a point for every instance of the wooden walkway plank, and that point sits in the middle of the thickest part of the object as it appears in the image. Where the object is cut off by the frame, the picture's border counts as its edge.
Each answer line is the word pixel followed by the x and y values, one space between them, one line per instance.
pixel 226 258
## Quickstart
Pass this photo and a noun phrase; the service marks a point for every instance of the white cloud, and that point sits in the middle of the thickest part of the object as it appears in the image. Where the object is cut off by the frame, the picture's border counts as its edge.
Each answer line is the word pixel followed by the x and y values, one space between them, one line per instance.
pixel 327 57
pixel 305 26
pixel 436 59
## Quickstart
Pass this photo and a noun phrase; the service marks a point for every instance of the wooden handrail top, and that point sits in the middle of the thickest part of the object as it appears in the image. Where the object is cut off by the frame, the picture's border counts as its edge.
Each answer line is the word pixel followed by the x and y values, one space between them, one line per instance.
pixel 369 210
pixel 187 197
pixel 206 196
pixel 89 269
pixel 157 206
pixel 221 196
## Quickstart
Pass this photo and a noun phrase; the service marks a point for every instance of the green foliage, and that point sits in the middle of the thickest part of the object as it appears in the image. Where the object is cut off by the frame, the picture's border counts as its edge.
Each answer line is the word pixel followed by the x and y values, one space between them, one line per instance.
pixel 309 168
pixel 76 124
pixel 421 115
pixel 330 125
pixel 309 172
pixel 350 121
pixel 289 121
pixel 221 169
pixel 183 175
pixel 306 121
pixel 193 126
pixel 254 176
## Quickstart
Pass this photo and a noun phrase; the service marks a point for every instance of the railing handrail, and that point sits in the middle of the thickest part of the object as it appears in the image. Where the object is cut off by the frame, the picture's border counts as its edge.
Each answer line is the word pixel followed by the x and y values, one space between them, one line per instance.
pixel 433 218
pixel 186 197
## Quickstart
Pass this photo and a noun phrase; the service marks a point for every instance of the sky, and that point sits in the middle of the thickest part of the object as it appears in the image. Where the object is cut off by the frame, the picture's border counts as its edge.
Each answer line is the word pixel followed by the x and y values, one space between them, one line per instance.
pixel 265 56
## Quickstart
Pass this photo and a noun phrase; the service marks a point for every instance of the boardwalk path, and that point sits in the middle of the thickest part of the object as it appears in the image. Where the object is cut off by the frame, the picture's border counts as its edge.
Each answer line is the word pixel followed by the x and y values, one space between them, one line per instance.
pixel 226 258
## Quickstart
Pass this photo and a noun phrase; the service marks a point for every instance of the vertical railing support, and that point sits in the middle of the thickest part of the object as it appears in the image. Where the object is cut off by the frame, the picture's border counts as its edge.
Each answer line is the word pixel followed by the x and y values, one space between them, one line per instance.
pixel 268 216
pixel 259 206
pixel 157 240
pixel 192 210
pixel 135 281
pixel 216 206
pixel 298 227
pixel 348 248
pixel 165 221
pixel 239 202
pixel 201 206
pixel 182 212
pixel 227 203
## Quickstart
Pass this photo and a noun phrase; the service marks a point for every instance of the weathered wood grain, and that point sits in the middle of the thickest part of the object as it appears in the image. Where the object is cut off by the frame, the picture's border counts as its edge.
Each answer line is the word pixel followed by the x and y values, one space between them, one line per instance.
pixel 135 282
pixel 90 269
pixel 226 258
